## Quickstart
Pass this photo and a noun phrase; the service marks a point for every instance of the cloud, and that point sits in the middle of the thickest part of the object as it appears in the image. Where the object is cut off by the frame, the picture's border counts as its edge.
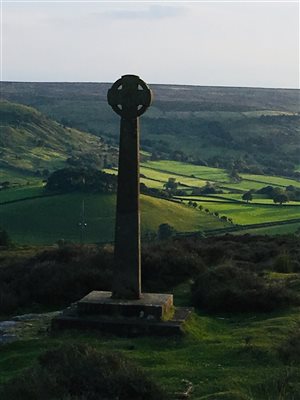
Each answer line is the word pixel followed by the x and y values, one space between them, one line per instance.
pixel 149 12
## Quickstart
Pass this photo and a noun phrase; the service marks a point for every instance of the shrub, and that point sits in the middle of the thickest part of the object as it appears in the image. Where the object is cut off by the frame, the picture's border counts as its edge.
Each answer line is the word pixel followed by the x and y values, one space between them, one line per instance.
pixel 283 263
pixel 56 277
pixel 4 238
pixel 167 264
pixel 165 231
pixel 62 275
pixel 82 372
pixel 81 179
pixel 289 349
pixel 227 288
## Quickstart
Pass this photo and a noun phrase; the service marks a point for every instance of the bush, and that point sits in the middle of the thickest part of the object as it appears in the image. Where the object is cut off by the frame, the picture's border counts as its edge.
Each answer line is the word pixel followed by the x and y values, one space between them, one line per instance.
pixel 289 350
pixel 81 372
pixel 283 263
pixel 54 277
pixel 227 288
pixel 165 231
pixel 62 275
pixel 4 238
pixel 81 179
pixel 169 263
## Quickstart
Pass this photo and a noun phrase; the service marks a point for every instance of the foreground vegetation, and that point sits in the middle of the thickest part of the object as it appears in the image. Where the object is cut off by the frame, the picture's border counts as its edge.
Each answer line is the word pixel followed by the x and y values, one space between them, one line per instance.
pixel 244 353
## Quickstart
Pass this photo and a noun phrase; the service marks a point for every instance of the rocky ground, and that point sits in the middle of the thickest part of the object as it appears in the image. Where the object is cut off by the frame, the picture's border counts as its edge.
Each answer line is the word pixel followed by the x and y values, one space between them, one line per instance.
pixel 25 326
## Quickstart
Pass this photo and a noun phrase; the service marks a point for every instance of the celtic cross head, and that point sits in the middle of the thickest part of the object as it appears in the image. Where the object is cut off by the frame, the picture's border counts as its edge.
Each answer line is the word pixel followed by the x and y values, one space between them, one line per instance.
pixel 129 96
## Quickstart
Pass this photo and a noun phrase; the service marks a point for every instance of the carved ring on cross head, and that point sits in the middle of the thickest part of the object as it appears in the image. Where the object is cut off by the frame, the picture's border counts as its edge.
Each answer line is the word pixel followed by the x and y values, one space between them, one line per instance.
pixel 131 91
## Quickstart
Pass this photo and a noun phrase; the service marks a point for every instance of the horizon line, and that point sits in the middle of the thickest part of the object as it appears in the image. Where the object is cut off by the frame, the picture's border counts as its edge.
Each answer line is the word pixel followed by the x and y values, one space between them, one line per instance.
pixel 162 84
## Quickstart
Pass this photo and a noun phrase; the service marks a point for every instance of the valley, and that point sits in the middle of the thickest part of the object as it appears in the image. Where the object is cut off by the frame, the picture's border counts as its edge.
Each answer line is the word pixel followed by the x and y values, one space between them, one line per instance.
pixel 26 209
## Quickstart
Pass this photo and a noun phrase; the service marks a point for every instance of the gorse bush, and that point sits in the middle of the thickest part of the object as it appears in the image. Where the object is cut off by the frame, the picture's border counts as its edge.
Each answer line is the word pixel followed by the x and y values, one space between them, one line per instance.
pixel 81 372
pixel 228 288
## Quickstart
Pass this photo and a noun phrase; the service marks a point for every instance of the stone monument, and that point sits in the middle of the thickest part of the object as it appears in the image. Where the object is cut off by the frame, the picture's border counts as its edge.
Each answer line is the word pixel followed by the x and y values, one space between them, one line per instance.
pixel 126 310
pixel 129 97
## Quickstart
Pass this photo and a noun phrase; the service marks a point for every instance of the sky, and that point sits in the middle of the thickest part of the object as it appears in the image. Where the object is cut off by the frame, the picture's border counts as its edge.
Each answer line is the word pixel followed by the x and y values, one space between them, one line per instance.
pixel 219 43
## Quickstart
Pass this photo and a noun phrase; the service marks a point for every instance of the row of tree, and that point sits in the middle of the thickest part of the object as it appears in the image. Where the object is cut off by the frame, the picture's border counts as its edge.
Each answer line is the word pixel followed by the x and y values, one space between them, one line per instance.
pixel 277 194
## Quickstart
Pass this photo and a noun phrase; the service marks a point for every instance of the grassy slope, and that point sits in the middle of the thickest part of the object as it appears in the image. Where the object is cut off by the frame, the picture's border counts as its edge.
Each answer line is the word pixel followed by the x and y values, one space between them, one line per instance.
pixel 273 230
pixel 212 355
pixel 45 220
pixel 21 192
pixel 198 171
pixel 252 214
pixel 29 141
pixel 271 180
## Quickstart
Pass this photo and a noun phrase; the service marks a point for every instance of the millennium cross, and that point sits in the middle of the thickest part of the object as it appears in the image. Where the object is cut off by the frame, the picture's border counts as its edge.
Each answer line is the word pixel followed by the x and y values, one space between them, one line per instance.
pixel 129 97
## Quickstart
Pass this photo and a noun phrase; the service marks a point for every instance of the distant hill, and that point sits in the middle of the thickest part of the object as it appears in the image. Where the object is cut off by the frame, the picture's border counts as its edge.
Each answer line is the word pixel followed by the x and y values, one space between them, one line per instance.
pixel 251 129
pixel 33 144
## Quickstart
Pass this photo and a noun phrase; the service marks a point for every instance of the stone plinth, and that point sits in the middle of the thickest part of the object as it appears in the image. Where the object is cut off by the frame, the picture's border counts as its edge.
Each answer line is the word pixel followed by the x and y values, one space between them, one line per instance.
pixel 152 314
pixel 152 306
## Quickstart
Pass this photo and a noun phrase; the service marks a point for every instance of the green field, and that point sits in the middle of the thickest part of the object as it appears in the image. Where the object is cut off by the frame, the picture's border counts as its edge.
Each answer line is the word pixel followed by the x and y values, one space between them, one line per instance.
pixel 272 230
pixel 26 220
pixel 245 214
pixel 271 180
pixel 198 171
pixel 182 172
pixel 45 220
pixel 164 176
pixel 17 178
pixel 207 199
pixel 257 199
pixel 260 210
pixel 165 168
pixel 21 192
pixel 242 186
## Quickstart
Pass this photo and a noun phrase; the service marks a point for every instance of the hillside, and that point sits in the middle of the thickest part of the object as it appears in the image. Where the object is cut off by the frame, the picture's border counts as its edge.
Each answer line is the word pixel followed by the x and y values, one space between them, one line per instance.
pixel 30 217
pixel 256 130
pixel 33 144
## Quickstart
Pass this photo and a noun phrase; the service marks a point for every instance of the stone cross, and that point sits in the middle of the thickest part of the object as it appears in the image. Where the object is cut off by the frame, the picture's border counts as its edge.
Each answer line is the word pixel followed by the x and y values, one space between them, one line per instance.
pixel 129 97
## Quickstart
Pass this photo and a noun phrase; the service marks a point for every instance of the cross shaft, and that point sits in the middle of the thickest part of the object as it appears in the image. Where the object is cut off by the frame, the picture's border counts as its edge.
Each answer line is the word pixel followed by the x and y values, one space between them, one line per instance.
pixel 129 97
